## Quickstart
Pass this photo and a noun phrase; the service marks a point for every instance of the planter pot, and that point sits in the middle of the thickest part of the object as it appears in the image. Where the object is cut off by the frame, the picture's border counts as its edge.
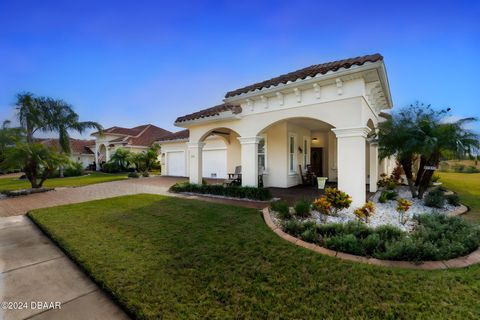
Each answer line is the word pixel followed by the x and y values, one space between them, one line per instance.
pixel 321 182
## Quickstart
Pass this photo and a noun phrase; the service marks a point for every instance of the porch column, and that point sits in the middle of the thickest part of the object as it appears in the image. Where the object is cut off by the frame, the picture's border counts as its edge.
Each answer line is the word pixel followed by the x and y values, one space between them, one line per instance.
pixel 195 157
pixel 351 162
pixel 249 160
pixel 97 165
pixel 373 167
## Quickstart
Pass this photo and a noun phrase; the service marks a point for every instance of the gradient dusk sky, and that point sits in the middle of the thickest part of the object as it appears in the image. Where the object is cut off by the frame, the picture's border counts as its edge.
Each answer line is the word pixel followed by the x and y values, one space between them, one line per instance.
pixel 127 63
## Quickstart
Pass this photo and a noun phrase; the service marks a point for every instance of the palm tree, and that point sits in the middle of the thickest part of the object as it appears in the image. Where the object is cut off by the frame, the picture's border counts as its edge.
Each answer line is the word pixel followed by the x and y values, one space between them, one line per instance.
pixel 441 137
pixel 122 159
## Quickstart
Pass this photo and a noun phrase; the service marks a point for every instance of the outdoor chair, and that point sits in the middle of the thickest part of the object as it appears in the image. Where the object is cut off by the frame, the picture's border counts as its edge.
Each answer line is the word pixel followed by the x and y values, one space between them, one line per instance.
pixel 234 179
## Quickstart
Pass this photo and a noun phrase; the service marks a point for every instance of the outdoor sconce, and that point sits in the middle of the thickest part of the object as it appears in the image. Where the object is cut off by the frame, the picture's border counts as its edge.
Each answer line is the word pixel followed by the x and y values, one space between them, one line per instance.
pixel 300 150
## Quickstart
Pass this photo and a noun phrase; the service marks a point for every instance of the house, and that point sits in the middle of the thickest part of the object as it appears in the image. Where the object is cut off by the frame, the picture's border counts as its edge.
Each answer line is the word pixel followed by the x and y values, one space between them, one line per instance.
pixel 81 150
pixel 319 116
pixel 137 139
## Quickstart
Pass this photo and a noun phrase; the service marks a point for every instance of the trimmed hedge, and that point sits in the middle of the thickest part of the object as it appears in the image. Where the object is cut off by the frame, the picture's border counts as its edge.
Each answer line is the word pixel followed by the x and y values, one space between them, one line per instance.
pixel 234 191
pixel 437 237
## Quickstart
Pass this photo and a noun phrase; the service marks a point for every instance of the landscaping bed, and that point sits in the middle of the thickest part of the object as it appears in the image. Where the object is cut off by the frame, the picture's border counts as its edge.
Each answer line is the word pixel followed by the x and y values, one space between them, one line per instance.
pixel 163 257
pixel 387 230
pixel 251 193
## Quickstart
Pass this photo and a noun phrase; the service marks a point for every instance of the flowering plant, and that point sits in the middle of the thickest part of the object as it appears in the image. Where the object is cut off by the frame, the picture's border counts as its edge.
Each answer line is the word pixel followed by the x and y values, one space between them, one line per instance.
pixel 366 211
pixel 402 207
pixel 333 201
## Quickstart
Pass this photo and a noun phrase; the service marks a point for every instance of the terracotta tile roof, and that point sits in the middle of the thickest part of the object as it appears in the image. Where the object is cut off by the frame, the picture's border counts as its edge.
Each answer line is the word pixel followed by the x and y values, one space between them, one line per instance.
pixel 77 146
pixel 310 71
pixel 180 135
pixel 143 135
pixel 210 112
pixel 149 135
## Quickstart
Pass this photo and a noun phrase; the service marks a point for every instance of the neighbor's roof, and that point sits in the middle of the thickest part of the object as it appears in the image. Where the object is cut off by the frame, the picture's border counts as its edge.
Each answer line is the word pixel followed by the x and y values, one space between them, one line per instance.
pixel 143 135
pixel 210 112
pixel 180 135
pixel 77 146
pixel 310 71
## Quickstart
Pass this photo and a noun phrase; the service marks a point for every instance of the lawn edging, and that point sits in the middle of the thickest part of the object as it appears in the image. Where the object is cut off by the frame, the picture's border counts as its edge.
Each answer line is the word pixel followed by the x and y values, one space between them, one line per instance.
pixel 460 262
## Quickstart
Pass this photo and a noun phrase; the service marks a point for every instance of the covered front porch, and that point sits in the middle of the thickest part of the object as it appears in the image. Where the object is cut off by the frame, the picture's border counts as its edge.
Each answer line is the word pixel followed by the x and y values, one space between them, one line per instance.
pixel 280 155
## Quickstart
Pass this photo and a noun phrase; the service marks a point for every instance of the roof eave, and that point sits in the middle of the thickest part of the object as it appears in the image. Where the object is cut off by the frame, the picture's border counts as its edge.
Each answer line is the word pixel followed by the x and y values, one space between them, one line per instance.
pixel 319 77
pixel 225 115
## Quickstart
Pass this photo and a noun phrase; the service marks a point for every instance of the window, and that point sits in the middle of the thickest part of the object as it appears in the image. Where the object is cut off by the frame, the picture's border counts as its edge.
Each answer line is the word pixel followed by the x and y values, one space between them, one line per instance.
pixel 306 151
pixel 291 153
pixel 262 155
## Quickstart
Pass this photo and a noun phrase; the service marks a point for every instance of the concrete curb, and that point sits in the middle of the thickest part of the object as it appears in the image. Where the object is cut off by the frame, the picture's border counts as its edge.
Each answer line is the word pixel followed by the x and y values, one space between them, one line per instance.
pixel 460 262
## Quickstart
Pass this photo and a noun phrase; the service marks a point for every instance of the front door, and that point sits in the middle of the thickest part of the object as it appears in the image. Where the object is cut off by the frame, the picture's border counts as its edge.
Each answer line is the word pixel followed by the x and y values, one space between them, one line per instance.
pixel 316 161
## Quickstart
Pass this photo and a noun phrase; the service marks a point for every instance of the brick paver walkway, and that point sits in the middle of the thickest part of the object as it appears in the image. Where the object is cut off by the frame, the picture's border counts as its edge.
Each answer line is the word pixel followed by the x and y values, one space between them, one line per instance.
pixel 155 185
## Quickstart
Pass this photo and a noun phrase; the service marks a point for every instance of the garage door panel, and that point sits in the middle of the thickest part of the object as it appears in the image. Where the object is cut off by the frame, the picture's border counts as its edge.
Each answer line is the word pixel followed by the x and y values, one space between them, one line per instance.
pixel 214 164
pixel 176 164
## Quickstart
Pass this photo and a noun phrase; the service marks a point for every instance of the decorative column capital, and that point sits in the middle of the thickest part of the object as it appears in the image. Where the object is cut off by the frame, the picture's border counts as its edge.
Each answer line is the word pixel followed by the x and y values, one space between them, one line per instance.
pixel 249 140
pixel 351 132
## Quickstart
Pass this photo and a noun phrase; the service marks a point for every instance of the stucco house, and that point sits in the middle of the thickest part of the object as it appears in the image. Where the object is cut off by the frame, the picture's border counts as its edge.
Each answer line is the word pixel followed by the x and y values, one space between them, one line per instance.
pixel 81 151
pixel 320 116
pixel 137 139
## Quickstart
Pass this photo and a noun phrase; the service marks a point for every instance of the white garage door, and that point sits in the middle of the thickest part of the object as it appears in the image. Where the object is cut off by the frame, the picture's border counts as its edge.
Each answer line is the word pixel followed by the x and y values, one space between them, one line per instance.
pixel 176 163
pixel 214 164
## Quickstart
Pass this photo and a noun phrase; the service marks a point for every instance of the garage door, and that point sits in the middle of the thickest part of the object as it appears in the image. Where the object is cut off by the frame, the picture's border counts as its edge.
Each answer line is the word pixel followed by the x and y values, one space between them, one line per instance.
pixel 176 163
pixel 214 164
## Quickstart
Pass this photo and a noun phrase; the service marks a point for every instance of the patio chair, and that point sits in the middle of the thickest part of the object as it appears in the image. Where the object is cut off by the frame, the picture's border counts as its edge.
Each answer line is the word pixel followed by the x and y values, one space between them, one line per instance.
pixel 234 179
pixel 308 177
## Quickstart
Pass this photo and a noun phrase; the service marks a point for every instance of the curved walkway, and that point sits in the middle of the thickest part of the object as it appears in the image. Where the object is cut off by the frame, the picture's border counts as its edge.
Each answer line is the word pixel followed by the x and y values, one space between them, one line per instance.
pixel 460 262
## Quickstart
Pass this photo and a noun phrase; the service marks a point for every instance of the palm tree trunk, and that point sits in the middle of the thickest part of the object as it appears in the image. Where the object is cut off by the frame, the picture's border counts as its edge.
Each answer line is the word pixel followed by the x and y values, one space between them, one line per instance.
pixel 427 175
pixel 406 163
pixel 421 170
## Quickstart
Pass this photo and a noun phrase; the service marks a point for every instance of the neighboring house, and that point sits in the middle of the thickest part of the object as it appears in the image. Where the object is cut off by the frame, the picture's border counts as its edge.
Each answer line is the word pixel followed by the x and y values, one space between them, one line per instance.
pixel 319 116
pixel 135 139
pixel 81 150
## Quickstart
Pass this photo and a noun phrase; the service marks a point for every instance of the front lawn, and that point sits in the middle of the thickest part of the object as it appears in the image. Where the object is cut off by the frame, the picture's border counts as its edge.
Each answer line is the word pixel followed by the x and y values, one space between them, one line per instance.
pixel 467 185
pixel 165 257
pixel 10 184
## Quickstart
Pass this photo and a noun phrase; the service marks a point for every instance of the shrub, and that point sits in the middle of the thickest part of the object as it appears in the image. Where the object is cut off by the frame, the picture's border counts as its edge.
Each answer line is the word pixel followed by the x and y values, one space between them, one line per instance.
pixel 133 175
pixel 391 185
pixel 234 192
pixel 333 201
pixel 387 195
pixel 471 169
pixel 437 237
pixel 435 198
pixel 281 207
pixel 302 208
pixel 74 170
pixel 145 174
pixel 345 243
pixel 453 199
pixel 457 167
pixel 110 167
pixel 403 205
pixel 294 227
pixel 366 211
pixel 383 197
pixel 435 178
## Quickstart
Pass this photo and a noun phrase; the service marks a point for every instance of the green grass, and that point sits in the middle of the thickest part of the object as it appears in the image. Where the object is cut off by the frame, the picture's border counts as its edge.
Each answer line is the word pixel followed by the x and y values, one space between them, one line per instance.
pixel 164 257
pixel 467 185
pixel 10 184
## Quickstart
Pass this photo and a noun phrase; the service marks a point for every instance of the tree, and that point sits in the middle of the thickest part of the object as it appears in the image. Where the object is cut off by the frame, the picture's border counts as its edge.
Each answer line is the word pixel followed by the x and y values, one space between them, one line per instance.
pixel 8 137
pixel 420 132
pixel 50 115
pixel 36 160
pixel 145 161
pixel 43 114
pixel 122 159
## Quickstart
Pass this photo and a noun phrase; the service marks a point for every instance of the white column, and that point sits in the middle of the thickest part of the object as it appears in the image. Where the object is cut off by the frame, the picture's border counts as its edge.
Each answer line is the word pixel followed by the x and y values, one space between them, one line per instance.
pixel 351 162
pixel 249 160
pixel 373 166
pixel 97 165
pixel 195 160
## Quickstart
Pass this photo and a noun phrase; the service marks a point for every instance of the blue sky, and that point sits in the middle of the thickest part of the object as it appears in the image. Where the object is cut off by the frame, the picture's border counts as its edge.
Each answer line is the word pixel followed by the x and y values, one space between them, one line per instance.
pixel 127 63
